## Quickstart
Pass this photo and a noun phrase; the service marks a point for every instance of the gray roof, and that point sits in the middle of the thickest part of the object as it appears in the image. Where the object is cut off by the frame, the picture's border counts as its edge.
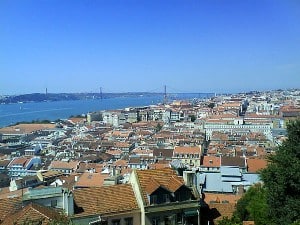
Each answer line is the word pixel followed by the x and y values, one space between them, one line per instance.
pixel 223 181
pixel 177 164
pixel 232 171
pixel 252 178
pixel 201 178
pixel 213 183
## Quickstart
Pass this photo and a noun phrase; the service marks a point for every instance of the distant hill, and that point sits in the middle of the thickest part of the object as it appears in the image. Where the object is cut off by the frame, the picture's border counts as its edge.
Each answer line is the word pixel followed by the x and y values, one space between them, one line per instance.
pixel 41 97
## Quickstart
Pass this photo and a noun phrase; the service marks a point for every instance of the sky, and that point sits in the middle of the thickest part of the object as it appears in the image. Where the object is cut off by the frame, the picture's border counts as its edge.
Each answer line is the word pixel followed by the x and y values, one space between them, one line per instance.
pixel 134 45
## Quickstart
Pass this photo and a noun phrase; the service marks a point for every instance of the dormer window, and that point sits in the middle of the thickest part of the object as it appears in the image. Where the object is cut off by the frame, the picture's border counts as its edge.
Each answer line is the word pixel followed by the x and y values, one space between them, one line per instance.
pixel 153 199
pixel 166 198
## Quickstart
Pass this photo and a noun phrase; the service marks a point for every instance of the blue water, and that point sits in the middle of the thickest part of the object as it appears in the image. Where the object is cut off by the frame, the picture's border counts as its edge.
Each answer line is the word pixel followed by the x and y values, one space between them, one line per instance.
pixel 13 113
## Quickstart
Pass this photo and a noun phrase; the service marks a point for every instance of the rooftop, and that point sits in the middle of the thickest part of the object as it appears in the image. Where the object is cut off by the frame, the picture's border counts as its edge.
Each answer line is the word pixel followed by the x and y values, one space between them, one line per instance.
pixel 104 200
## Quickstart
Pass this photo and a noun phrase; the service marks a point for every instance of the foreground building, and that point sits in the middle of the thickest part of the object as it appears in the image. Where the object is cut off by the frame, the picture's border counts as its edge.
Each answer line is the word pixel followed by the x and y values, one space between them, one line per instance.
pixel 163 198
pixel 151 197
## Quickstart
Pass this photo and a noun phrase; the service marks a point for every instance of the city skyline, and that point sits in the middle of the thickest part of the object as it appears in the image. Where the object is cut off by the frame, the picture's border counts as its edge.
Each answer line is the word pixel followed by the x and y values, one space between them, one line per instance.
pixel 124 46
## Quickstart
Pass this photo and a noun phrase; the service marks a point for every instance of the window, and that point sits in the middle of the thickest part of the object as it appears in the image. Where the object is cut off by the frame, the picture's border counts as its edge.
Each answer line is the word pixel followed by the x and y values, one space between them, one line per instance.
pixel 129 221
pixel 168 220
pixel 179 218
pixel 153 199
pixel 155 221
pixel 116 222
pixel 166 197
pixel 53 203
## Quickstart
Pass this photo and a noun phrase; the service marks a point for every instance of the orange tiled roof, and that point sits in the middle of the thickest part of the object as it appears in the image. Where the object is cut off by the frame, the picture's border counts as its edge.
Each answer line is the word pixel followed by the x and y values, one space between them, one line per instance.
pixel 123 133
pixel 20 161
pixel 159 165
pixel 9 205
pixel 152 186
pixel 26 128
pixel 64 165
pixel 211 161
pixel 231 198
pixel 91 180
pixel 254 165
pixel 121 162
pixel 104 200
pixel 189 150
pixel 166 178
pixel 33 213
pixel 85 166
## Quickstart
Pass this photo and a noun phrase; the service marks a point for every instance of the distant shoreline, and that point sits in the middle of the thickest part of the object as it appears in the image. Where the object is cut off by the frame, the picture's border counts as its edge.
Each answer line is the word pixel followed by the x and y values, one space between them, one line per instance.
pixel 53 97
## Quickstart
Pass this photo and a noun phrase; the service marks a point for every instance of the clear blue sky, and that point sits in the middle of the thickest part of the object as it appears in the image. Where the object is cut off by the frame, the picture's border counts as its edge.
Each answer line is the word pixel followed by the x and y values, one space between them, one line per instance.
pixel 125 45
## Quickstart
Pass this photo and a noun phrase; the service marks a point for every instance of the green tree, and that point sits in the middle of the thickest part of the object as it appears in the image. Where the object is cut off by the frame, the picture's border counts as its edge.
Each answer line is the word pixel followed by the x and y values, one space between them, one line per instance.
pixel 282 179
pixel 230 221
pixel 158 127
pixel 253 206
pixel 211 105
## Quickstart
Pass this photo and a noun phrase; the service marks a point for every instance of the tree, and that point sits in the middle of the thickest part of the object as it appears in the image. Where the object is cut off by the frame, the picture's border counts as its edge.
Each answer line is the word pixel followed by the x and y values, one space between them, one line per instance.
pixel 253 206
pixel 211 105
pixel 158 127
pixel 282 179
pixel 231 221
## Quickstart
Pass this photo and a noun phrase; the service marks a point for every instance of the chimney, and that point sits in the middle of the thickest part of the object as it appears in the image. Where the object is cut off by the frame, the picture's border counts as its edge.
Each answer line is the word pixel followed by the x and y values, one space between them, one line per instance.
pixel 241 190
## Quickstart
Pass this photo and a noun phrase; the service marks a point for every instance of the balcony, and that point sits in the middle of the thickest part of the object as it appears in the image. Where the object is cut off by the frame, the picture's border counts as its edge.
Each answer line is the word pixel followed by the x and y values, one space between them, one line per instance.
pixel 172 206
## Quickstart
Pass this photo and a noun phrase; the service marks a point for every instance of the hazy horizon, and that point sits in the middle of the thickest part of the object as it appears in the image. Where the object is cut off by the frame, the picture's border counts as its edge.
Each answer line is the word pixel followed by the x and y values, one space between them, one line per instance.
pixel 139 46
pixel 158 92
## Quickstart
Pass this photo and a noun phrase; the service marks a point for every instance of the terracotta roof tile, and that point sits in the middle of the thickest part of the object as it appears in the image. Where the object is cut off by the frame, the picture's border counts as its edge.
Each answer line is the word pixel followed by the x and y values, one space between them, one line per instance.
pixel 230 198
pixel 174 184
pixel 167 178
pixel 20 161
pixel 152 186
pixel 91 180
pixel 159 165
pixel 64 165
pixel 189 150
pixel 33 213
pixel 8 206
pixel 121 163
pixel 104 200
pixel 26 128
pixel 233 161
pixel 211 161
pixel 254 165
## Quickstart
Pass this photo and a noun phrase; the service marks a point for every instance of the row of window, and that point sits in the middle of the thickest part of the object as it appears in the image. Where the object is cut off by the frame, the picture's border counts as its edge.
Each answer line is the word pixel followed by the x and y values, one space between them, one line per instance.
pixel 167 198
pixel 167 219
pixel 187 155
pixel 127 221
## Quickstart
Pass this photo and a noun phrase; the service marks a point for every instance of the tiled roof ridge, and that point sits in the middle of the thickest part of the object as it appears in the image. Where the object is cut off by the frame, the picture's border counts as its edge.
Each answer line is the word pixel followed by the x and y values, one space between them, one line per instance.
pixel 26 210
pixel 152 185
pixel 173 180
pixel 33 206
